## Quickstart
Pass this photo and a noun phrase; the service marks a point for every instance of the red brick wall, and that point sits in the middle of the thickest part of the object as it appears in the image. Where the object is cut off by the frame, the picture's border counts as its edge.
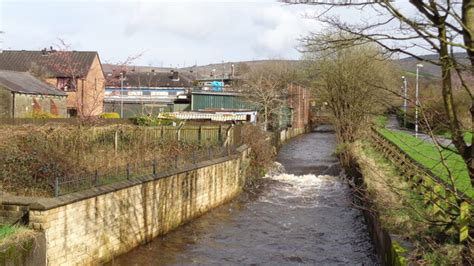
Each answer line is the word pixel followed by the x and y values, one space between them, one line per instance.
pixel 299 100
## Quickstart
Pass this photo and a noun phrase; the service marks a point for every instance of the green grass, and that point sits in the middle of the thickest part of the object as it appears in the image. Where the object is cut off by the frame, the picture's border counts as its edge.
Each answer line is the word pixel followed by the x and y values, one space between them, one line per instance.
pixel 467 136
pixel 426 154
pixel 380 121
pixel 6 230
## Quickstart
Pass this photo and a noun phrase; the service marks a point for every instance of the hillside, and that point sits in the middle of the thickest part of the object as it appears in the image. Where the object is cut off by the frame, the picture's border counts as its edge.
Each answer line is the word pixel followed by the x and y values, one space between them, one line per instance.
pixel 407 65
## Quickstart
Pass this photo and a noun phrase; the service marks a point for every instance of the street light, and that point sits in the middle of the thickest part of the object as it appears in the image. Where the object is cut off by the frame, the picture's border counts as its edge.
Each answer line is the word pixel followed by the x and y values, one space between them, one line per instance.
pixel 404 101
pixel 121 94
pixel 417 102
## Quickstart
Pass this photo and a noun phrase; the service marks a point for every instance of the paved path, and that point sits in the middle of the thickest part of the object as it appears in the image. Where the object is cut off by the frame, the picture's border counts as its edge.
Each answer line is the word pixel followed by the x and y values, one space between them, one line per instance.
pixel 393 124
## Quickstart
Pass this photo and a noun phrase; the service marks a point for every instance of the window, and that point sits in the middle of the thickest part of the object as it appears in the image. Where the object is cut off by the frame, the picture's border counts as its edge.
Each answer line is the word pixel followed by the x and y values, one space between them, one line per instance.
pixel 66 84
pixel 71 112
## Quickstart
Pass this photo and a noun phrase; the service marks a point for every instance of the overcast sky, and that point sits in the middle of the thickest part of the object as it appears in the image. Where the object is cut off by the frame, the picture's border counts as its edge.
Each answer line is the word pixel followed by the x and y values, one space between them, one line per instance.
pixel 169 33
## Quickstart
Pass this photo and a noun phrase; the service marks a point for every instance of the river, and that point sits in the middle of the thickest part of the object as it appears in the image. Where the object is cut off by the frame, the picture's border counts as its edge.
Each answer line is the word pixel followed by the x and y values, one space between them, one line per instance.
pixel 303 214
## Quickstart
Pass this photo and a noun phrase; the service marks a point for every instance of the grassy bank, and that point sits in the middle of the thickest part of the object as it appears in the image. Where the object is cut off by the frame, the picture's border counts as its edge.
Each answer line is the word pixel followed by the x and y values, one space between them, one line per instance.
pixel 467 136
pixel 10 234
pixel 429 156
pixel 402 212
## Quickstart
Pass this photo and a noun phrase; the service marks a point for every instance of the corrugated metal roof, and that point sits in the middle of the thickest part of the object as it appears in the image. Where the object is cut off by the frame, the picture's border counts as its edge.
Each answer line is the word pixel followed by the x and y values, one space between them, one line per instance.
pixel 48 63
pixel 223 101
pixel 22 82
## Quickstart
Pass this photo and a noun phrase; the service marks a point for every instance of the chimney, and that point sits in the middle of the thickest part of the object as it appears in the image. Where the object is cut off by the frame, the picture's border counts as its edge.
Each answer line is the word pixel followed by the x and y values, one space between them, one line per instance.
pixel 175 75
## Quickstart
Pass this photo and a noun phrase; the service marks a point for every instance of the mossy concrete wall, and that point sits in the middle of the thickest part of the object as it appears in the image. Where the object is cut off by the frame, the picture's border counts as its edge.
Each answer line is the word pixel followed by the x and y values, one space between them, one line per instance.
pixel 390 249
pixel 20 105
pixel 290 133
pixel 5 103
pixel 93 226
pixel 24 104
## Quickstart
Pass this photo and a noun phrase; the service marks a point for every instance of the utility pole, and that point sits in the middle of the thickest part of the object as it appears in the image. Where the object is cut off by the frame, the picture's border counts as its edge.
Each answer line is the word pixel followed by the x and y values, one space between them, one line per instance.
pixel 121 94
pixel 404 101
pixel 417 102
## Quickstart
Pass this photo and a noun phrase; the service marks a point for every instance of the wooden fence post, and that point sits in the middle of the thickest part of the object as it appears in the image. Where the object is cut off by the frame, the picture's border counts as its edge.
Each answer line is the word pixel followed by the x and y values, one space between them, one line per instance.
pixel 219 137
pixel 116 142
pixel 464 221
pixel 200 135
pixel 56 187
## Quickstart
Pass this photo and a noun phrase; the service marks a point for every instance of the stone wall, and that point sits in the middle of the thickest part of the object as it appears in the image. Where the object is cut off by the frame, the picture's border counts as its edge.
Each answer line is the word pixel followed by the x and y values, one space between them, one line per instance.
pixel 289 133
pixel 93 226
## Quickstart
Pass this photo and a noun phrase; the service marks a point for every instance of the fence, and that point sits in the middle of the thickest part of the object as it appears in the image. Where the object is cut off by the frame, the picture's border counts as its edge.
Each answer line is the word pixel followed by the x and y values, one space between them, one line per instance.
pixel 443 200
pixel 65 185
pixel 64 121
pixel 90 153
pixel 121 137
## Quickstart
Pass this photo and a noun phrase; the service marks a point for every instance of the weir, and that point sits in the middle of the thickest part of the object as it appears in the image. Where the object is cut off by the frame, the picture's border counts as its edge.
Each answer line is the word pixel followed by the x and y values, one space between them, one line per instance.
pixel 301 213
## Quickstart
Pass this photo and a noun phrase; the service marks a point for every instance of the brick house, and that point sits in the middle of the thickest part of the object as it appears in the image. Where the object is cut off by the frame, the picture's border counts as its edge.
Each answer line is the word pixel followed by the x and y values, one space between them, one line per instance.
pixel 299 99
pixel 21 95
pixel 77 73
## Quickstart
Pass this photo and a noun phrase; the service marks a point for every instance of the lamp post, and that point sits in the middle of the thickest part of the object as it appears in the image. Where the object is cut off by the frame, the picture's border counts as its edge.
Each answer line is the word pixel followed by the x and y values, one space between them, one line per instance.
pixel 417 102
pixel 404 101
pixel 121 94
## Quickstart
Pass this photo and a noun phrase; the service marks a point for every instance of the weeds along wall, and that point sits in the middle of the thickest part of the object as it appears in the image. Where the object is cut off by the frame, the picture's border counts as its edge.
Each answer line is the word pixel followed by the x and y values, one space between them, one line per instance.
pixel 93 226
pixel 35 156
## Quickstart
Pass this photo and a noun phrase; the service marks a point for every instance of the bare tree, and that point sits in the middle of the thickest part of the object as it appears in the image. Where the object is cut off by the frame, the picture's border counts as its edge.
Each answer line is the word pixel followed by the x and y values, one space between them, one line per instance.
pixel 120 69
pixel 441 27
pixel 265 88
pixel 352 82
pixel 73 80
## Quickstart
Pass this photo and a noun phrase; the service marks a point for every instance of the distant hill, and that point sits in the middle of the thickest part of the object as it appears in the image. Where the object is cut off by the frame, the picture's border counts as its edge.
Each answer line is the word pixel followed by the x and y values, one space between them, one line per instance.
pixel 108 68
pixel 408 65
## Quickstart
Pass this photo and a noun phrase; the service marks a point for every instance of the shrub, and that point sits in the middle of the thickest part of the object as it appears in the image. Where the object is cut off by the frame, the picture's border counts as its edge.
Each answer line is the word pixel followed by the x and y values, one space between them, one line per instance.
pixel 165 120
pixel 41 115
pixel 110 115
pixel 262 153
pixel 32 157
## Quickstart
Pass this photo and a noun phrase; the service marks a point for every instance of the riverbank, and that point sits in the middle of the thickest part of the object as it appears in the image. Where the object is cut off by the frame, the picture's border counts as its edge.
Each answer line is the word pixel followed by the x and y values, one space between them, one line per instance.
pixel 401 213
pixel 94 225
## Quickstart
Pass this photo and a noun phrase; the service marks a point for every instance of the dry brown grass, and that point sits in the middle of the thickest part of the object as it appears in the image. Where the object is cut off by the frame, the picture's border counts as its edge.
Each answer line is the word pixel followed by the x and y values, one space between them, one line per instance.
pixel 262 153
pixel 401 210
pixel 388 191
pixel 32 156
pixel 19 235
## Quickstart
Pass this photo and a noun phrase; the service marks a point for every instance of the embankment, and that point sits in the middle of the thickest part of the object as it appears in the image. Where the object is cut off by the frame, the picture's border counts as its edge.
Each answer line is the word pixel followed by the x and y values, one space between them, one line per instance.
pixel 95 225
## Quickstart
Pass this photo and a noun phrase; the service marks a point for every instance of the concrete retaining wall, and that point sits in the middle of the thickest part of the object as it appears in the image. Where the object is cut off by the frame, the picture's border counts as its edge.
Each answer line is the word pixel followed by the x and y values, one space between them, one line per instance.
pixel 93 226
pixel 289 133
pixel 389 248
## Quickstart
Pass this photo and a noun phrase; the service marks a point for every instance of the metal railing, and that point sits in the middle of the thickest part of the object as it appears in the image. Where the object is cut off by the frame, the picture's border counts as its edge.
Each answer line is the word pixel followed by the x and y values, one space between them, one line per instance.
pixel 66 185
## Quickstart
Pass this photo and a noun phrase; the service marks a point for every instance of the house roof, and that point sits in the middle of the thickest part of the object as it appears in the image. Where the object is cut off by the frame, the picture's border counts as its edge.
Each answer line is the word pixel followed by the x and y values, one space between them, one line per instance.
pixel 48 63
pixel 22 82
pixel 150 79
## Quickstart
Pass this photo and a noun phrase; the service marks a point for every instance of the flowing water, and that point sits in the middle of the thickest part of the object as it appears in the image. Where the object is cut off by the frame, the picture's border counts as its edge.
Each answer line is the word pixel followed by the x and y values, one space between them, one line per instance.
pixel 302 215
